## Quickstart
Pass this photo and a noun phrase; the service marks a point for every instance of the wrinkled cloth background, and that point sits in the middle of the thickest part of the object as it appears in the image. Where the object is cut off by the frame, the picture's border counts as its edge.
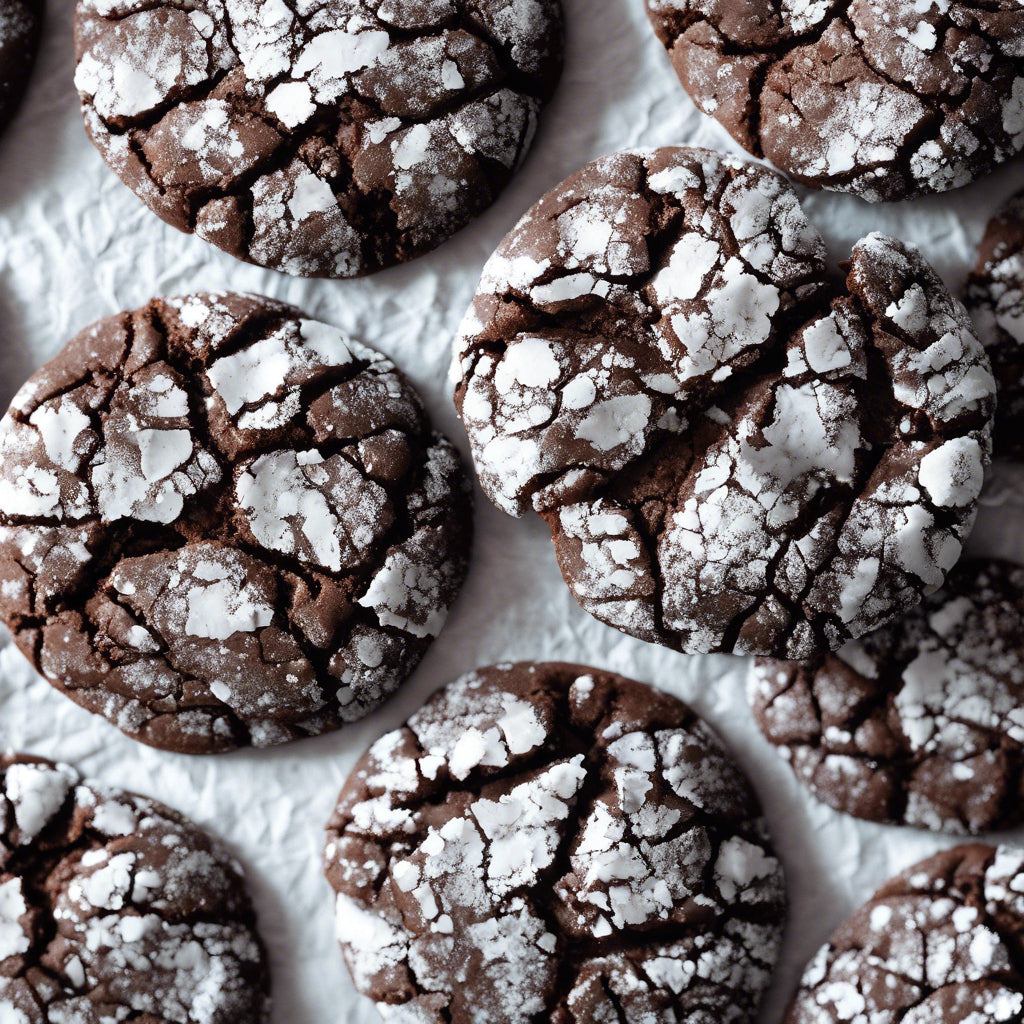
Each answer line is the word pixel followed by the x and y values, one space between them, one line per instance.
pixel 76 245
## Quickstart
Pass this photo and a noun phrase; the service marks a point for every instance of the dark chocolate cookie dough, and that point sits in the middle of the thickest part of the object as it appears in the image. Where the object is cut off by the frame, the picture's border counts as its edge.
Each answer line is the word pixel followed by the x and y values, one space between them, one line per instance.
pixel 733 452
pixel 324 138
pixel 887 99
pixel 920 723
pixel 551 842
pixel 222 523
pixel 995 297
pixel 939 944
pixel 115 908
pixel 20 22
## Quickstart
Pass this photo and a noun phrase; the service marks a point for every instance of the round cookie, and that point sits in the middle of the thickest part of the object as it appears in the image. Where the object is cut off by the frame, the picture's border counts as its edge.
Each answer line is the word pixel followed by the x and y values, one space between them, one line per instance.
pixel 732 451
pixel 995 298
pixel 116 908
pixel 328 138
pixel 224 524
pixel 20 23
pixel 920 723
pixel 938 944
pixel 552 842
pixel 887 99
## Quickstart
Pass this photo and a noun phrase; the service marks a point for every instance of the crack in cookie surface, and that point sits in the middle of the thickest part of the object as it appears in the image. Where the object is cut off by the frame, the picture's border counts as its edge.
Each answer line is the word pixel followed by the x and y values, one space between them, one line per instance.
pixel 939 943
pixel 552 843
pixel 324 138
pixel 995 298
pixel 116 908
pixel 919 723
pixel 222 523
pixel 20 25
pixel 733 452
pixel 884 99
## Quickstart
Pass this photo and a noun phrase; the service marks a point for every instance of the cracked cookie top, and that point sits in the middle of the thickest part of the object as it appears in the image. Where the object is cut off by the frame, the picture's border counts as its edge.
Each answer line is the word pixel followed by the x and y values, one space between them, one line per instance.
pixel 116 908
pixel 939 944
pixel 887 99
pixel 322 138
pixel 733 452
pixel 920 723
pixel 20 22
pixel 224 524
pixel 995 297
pixel 552 842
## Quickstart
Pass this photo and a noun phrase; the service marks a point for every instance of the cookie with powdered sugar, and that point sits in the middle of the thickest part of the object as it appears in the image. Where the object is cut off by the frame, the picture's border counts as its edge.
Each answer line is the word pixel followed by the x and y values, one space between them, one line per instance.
pixel 920 723
pixel 995 298
pixel 116 908
pixel 552 842
pixel 887 99
pixel 940 943
pixel 224 524
pixel 20 22
pixel 328 138
pixel 733 452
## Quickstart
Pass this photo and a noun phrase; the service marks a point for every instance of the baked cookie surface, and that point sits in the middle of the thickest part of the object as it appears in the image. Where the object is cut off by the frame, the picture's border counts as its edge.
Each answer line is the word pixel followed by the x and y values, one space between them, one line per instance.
pixel 548 841
pixel 920 723
pixel 938 944
pixel 224 524
pixel 733 451
pixel 20 23
pixel 327 138
pixel 888 99
pixel 995 298
pixel 116 908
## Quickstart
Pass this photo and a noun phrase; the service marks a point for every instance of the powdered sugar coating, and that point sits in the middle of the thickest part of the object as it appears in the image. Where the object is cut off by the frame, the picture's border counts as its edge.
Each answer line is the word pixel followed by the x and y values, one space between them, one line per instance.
pixel 732 453
pixel 20 22
pixel 995 298
pixel 551 842
pixel 920 723
pixel 883 98
pixel 222 523
pixel 938 944
pixel 113 907
pixel 324 138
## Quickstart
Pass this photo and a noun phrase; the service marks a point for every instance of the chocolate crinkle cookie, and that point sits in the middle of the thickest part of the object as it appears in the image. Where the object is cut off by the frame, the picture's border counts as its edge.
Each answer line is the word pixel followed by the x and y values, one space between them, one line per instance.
pixel 733 452
pixel 224 524
pixel 323 138
pixel 548 842
pixel 115 908
pixel 887 99
pixel 20 22
pixel 939 944
pixel 920 723
pixel 995 297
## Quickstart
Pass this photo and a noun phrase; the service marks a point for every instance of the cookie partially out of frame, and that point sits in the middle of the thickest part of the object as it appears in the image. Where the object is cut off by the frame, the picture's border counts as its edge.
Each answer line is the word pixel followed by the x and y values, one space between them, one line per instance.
pixel 552 842
pixel 116 908
pixel 939 944
pixel 224 524
pixel 920 723
pixel 995 298
pixel 887 99
pixel 20 23
pixel 734 452
pixel 327 138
